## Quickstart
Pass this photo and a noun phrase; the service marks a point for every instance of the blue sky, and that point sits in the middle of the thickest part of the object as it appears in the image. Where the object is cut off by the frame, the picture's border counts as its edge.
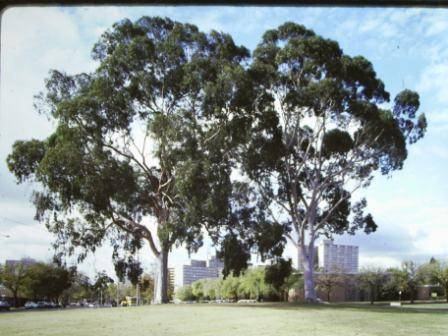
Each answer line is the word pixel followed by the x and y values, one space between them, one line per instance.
pixel 408 48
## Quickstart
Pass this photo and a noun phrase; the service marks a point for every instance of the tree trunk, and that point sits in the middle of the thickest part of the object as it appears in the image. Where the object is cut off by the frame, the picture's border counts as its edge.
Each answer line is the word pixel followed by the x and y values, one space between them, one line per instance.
pixel 328 295
pixel 372 295
pixel 446 293
pixel 14 294
pixel 307 260
pixel 161 280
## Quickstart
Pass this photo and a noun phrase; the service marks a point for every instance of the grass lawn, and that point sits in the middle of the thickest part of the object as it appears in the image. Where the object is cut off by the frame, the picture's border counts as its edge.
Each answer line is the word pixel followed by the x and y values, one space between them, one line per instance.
pixel 427 306
pixel 206 319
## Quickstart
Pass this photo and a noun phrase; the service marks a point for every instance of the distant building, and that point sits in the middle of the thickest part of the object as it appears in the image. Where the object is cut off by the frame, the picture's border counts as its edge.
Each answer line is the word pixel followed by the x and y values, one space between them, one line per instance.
pixel 198 263
pixel 24 261
pixel 332 257
pixel 216 263
pixel 201 269
pixel 171 280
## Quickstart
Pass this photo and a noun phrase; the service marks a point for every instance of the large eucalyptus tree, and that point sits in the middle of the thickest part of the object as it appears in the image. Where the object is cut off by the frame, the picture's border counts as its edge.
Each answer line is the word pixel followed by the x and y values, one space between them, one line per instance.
pixel 147 136
pixel 321 129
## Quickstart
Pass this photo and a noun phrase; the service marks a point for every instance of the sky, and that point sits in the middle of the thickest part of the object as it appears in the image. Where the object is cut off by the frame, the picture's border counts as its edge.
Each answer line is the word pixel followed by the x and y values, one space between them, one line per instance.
pixel 407 46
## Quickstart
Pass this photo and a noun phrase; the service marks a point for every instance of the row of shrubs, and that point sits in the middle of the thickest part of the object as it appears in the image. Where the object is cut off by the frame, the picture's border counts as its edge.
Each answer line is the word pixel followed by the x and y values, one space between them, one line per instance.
pixel 253 284
pixel 272 283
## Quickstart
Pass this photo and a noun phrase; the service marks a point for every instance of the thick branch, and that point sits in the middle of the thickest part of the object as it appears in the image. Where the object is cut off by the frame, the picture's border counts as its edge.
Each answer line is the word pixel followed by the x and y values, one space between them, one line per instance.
pixel 135 228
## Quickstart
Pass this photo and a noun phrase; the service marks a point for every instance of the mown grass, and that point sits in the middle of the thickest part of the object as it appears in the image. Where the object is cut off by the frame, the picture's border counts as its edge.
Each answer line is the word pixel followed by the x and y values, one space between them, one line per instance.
pixel 232 319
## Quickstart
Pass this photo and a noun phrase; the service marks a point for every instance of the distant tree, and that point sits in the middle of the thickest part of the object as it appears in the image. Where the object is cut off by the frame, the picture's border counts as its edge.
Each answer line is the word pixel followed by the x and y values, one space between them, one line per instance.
pixel 185 293
pixel 148 134
pixel 102 281
pixel 211 288
pixel 426 271
pixel 235 255
pixel 405 279
pixel 230 288
pixel 441 277
pixel 118 291
pixel 129 269
pixel 197 289
pixel 253 284
pixel 13 277
pixel 49 280
pixel 147 287
pixel 80 288
pixel 436 272
pixel 319 131
pixel 277 275
pixel 294 281
pixel 327 281
pixel 372 279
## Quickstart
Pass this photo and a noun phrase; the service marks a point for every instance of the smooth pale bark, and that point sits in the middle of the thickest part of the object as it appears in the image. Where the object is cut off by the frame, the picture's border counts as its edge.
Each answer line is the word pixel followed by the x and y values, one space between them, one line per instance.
pixel 307 260
pixel 161 280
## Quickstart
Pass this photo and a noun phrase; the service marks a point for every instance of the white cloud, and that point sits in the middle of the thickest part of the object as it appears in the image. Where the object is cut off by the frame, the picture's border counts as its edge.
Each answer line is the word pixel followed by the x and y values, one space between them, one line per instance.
pixel 433 80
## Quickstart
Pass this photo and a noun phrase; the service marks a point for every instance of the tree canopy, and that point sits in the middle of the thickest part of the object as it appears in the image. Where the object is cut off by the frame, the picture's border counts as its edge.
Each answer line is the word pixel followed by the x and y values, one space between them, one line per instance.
pixel 320 129
pixel 13 277
pixel 145 146
pixel 147 134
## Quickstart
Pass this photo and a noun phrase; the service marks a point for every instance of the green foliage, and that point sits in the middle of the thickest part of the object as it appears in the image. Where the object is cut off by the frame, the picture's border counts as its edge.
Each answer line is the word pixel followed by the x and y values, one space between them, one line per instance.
pixel 435 272
pixel 206 289
pixel 48 281
pixel 319 131
pixel 230 287
pixel 80 289
pixel 303 121
pixel 250 284
pixel 185 293
pixel 405 279
pixel 102 281
pixel 234 253
pixel 337 142
pixel 253 284
pixel 128 269
pixel 25 157
pixel 328 281
pixel 373 280
pixel 147 288
pixel 14 278
pixel 277 274
pixel 184 90
pixel 197 288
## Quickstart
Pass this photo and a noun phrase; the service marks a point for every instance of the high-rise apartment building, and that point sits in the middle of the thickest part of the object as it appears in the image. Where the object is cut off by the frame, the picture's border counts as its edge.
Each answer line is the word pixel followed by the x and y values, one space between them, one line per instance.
pixel 331 257
pixel 171 278
pixel 201 269
pixel 24 261
pixel 216 263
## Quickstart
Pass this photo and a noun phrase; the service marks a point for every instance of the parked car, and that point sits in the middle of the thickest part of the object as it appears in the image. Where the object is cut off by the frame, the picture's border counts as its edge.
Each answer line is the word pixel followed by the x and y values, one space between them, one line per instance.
pixel 47 304
pixel 31 305
pixel 42 304
pixel 4 305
